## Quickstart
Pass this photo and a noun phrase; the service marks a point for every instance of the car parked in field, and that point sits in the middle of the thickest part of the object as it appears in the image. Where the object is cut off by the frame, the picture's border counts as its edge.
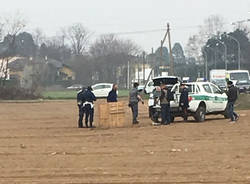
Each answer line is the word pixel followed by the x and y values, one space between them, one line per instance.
pixel 204 98
pixel 75 87
pixel 101 90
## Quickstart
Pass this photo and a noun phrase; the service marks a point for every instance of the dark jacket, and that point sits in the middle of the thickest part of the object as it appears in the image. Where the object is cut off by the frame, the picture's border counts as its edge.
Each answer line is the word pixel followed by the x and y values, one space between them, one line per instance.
pixel 232 94
pixel 112 97
pixel 89 96
pixel 80 97
pixel 184 98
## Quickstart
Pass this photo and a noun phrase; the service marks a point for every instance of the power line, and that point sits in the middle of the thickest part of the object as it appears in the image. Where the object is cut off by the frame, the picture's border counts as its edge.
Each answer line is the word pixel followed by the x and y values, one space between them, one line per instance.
pixel 177 28
pixel 155 30
pixel 140 32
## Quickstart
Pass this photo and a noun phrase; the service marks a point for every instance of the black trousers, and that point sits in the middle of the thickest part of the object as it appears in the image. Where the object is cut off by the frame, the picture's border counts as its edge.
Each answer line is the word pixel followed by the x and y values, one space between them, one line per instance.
pixel 184 112
pixel 134 109
pixel 89 115
pixel 81 114
pixel 165 113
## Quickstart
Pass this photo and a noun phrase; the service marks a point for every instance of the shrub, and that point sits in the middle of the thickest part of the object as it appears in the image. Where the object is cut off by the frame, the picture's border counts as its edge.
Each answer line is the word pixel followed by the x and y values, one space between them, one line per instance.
pixel 14 93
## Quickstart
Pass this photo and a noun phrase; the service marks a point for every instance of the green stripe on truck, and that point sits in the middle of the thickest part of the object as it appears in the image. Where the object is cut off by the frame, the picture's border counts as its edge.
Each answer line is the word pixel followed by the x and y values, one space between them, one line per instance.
pixel 209 98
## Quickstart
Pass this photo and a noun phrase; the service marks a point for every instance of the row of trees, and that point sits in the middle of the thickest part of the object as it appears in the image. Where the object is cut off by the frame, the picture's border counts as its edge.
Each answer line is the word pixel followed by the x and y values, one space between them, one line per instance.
pixel 105 59
pixel 102 60
pixel 219 47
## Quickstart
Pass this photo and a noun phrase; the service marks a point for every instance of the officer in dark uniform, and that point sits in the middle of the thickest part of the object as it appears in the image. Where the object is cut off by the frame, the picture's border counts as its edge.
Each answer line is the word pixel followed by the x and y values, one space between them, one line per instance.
pixel 232 94
pixel 89 106
pixel 184 103
pixel 80 101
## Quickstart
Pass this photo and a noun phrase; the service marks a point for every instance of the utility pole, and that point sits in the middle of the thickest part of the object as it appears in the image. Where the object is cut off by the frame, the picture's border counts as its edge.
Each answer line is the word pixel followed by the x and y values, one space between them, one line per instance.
pixel 170 52
pixel 225 51
pixel 206 69
pixel 128 80
pixel 171 71
pixel 143 58
pixel 138 69
pixel 238 43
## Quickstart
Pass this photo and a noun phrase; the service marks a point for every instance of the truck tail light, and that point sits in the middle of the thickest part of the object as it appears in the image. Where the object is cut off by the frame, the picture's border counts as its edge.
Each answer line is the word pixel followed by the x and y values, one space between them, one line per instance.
pixel 190 98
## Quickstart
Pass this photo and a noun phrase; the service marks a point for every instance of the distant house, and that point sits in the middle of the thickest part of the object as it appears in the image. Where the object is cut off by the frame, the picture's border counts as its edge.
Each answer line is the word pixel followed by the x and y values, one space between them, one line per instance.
pixel 25 70
pixel 63 72
pixel 5 72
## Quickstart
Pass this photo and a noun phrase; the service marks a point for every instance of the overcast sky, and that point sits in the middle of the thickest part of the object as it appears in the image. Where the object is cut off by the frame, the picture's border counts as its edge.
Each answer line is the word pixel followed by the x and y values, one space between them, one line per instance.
pixel 115 16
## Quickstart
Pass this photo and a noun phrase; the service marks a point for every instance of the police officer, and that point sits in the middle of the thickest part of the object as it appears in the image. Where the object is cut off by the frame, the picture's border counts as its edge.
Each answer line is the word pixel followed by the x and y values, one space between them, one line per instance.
pixel 89 106
pixel 80 101
pixel 112 96
pixel 184 103
pixel 134 98
pixel 232 95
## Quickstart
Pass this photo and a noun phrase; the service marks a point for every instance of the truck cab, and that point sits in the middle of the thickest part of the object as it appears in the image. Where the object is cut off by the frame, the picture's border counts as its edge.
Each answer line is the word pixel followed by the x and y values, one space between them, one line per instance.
pixel 240 78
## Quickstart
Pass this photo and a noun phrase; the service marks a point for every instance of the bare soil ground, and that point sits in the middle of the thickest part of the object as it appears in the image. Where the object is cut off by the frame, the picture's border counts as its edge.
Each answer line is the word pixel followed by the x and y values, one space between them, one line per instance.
pixel 39 143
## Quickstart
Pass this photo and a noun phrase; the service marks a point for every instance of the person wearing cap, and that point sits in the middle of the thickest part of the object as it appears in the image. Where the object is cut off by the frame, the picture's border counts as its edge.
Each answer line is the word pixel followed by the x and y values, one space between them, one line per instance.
pixel 232 95
pixel 80 101
pixel 89 106
pixel 134 99
pixel 184 104
pixel 112 96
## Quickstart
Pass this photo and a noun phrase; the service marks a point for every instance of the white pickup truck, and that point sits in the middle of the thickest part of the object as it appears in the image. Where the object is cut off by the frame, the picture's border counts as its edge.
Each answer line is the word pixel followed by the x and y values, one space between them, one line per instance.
pixel 204 98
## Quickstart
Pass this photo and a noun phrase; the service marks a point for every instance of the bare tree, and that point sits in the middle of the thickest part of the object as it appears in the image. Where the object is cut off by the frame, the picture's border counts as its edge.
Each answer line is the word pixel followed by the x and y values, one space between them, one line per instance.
pixel 1 30
pixel 109 44
pixel 14 24
pixel 213 25
pixel 11 26
pixel 38 36
pixel 192 48
pixel 57 48
pixel 78 37
pixel 111 56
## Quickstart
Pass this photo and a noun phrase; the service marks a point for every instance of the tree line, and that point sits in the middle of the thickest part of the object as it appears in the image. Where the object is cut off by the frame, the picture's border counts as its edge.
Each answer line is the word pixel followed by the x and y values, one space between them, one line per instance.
pixel 106 59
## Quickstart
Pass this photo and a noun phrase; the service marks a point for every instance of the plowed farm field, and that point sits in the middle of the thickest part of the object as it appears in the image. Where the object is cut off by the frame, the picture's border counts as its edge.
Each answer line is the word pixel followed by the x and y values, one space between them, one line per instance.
pixel 40 143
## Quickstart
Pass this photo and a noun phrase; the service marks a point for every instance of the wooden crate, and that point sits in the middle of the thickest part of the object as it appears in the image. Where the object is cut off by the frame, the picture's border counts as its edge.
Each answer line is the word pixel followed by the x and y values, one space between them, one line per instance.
pixel 112 115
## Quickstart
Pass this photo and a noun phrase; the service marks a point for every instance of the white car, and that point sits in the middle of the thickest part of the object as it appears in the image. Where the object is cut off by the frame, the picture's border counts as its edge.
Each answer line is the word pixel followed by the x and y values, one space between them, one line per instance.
pixel 204 98
pixel 75 87
pixel 102 89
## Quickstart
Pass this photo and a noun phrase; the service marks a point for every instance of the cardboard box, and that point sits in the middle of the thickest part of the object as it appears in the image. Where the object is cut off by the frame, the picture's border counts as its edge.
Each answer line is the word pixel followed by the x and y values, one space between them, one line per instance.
pixel 112 115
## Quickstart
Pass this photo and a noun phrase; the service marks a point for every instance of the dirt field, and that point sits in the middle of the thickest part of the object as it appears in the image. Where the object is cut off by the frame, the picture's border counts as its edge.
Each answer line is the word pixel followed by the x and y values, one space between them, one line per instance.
pixel 39 143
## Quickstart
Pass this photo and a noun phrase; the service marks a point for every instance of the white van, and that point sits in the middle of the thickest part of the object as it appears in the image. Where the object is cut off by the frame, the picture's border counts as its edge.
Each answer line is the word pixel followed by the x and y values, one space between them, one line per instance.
pixel 218 77
pixel 240 78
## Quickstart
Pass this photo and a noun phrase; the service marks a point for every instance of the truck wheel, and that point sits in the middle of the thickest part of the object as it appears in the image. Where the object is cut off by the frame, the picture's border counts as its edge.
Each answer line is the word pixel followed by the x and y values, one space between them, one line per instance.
pixel 200 114
pixel 155 117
